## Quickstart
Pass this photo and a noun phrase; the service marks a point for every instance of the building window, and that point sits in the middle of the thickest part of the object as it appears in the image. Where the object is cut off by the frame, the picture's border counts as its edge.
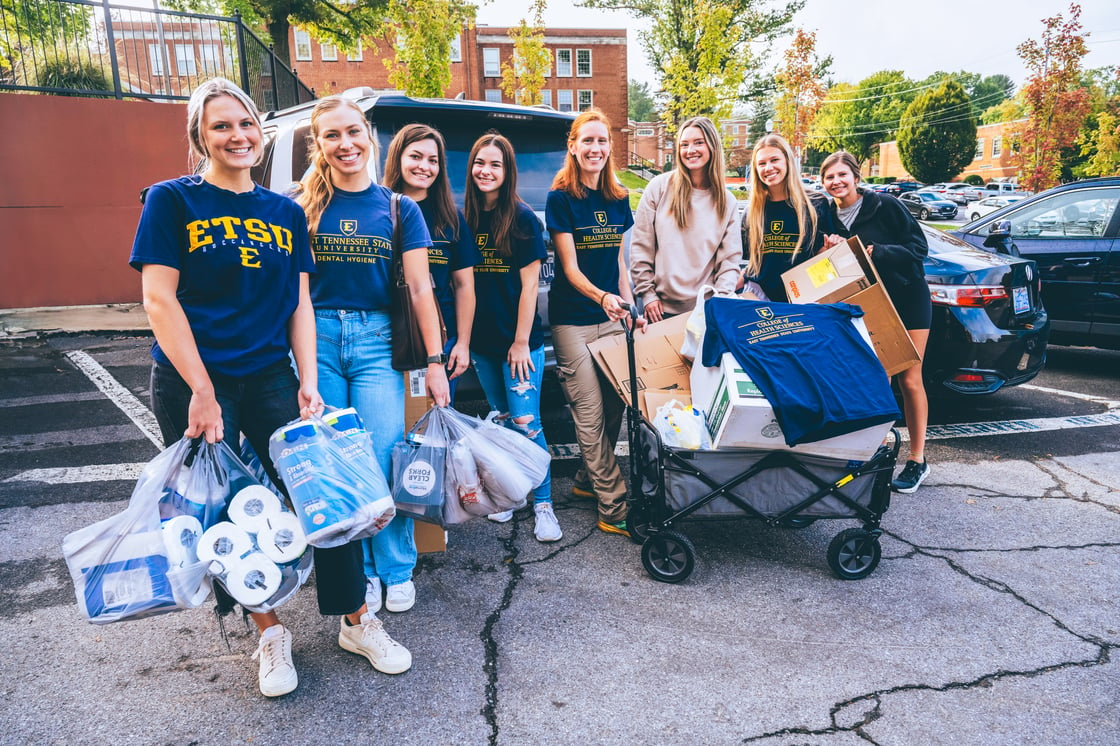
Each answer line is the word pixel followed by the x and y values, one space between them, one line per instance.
pixel 546 97
pixel 184 60
pixel 584 100
pixel 563 63
pixel 564 100
pixel 356 55
pixel 979 149
pixel 583 63
pixel 997 146
pixel 493 95
pixel 456 50
pixel 303 45
pixel 155 57
pixel 209 59
pixel 491 67
pixel 329 52
pixel 644 132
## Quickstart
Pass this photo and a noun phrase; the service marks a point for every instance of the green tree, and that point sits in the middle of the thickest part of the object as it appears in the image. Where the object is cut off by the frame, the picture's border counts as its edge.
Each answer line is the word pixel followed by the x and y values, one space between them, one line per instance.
pixel 40 25
pixel 705 51
pixel 523 77
pixel 858 119
pixel 1103 85
pixel 420 33
pixel 761 112
pixel 937 137
pixel 1005 111
pixel 1102 146
pixel 800 88
pixel 640 104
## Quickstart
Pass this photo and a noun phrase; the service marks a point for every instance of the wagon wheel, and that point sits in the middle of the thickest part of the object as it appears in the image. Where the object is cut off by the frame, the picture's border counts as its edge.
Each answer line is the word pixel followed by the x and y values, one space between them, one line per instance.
pixel 669 556
pixel 798 521
pixel 853 554
pixel 637 522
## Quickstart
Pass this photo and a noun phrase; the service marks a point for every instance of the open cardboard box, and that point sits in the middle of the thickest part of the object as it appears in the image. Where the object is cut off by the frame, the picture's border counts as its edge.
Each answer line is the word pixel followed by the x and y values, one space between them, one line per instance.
pixel 429 537
pixel 660 366
pixel 845 273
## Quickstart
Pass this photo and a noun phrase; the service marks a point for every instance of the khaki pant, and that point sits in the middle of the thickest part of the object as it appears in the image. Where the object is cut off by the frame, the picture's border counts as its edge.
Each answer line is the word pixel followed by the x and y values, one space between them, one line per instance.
pixel 596 410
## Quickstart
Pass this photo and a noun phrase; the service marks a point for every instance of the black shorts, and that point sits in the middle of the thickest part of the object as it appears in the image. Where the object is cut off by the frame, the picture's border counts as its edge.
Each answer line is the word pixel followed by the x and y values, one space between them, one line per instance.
pixel 913 305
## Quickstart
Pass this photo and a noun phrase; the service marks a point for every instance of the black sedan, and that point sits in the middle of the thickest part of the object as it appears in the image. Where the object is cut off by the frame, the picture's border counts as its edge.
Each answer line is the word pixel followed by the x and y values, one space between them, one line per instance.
pixel 989 325
pixel 925 205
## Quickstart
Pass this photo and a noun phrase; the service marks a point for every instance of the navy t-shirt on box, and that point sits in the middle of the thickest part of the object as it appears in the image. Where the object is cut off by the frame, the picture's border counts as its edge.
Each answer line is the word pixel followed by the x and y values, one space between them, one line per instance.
pixel 808 360
pixel 597 227
pixel 449 252
pixel 354 248
pixel 239 257
pixel 497 284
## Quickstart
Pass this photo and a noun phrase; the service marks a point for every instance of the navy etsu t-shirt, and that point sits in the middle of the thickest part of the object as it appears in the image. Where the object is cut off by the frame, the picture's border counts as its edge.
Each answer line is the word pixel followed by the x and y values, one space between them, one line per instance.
pixel 448 253
pixel 497 284
pixel 354 249
pixel 809 361
pixel 779 242
pixel 597 227
pixel 239 258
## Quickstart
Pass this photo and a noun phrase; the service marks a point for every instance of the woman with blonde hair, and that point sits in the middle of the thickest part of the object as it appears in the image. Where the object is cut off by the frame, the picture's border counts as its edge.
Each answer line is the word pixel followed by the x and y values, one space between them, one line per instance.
pixel 783 225
pixel 587 214
pixel 685 230
pixel 352 236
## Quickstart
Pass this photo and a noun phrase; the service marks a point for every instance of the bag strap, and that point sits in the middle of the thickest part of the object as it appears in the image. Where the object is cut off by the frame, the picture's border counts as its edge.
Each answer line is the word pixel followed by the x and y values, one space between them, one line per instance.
pixel 394 216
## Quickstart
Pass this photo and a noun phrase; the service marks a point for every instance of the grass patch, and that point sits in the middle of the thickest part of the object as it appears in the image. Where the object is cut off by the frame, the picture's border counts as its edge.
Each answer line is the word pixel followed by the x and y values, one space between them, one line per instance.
pixel 943 226
pixel 631 180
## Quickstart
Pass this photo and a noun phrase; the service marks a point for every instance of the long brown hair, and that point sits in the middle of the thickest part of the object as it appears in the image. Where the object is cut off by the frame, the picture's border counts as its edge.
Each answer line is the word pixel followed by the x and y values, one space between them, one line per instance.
pixel 680 185
pixel 570 178
pixel 315 188
pixel 754 220
pixel 503 217
pixel 446 217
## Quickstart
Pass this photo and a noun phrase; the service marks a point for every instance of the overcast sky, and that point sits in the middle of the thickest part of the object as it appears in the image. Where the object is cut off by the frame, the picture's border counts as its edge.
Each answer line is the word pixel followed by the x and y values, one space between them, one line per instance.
pixel 865 36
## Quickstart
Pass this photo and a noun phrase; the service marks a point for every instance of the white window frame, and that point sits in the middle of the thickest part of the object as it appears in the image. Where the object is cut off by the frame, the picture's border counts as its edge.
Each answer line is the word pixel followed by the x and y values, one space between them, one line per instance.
pixel 579 63
pixel 644 132
pixel 979 149
pixel 328 52
pixel 185 63
pixel 491 62
pixel 357 55
pixel 493 95
pixel 561 65
pixel 560 103
pixel 581 94
pixel 303 45
pixel 997 147
pixel 546 97
pixel 457 49
pixel 155 59
pixel 210 59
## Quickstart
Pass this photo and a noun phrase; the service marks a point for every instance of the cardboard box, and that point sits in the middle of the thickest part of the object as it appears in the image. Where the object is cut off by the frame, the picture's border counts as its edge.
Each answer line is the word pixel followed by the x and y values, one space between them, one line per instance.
pixel 651 400
pixel 429 537
pixel 660 366
pixel 739 416
pixel 846 274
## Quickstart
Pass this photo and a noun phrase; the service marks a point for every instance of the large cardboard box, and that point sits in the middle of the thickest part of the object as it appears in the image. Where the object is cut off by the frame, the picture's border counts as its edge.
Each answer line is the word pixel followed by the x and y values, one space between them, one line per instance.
pixel 660 366
pixel 846 274
pixel 429 537
pixel 739 416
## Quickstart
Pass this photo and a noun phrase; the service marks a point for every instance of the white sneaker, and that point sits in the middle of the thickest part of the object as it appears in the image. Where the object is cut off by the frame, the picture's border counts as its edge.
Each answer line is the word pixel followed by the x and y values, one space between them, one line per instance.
pixel 503 517
pixel 373 595
pixel 371 640
pixel 547 528
pixel 400 597
pixel 277 673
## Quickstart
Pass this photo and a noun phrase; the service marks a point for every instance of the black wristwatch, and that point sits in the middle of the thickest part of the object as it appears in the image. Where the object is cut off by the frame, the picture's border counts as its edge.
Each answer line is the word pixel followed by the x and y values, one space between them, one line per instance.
pixel 440 359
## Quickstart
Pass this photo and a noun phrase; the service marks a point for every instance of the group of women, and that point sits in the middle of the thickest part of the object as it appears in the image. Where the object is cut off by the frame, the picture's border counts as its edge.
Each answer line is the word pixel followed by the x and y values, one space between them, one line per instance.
pixel 239 281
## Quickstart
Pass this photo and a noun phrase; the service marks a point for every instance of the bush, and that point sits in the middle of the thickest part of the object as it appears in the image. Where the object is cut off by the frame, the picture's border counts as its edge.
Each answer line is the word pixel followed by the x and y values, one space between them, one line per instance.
pixel 60 69
pixel 974 180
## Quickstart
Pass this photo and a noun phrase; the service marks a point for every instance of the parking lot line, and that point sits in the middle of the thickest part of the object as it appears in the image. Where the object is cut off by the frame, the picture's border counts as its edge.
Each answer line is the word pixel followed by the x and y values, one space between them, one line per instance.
pixel 140 415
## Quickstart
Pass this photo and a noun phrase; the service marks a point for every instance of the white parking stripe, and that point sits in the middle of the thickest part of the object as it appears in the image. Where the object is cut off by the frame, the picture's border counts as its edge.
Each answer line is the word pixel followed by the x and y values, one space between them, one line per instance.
pixel 140 415
pixel 37 401
pixel 80 474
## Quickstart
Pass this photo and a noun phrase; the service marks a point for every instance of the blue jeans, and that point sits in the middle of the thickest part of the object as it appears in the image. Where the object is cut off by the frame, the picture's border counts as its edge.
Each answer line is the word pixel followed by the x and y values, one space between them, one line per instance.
pixel 355 370
pixel 517 399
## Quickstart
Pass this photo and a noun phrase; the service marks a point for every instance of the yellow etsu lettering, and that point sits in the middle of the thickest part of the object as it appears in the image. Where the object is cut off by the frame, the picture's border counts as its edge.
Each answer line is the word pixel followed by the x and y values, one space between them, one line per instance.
pixel 198 239
pixel 257 230
pixel 228 222
pixel 249 257
pixel 283 238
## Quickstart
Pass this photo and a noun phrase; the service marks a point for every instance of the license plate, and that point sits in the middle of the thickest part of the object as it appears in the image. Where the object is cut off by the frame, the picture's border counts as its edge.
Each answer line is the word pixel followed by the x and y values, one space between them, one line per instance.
pixel 1022 300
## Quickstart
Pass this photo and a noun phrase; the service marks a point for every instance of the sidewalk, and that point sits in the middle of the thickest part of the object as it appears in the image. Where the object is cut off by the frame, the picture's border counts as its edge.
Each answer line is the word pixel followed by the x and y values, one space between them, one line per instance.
pixel 112 317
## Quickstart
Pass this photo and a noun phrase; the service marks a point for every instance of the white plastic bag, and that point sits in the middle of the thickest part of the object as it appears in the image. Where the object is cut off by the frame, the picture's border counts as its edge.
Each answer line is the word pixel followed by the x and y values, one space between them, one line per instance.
pixel 681 426
pixel 694 328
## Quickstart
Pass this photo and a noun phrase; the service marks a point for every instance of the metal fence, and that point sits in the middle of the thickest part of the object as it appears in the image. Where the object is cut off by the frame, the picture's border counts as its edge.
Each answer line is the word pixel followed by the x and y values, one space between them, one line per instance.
pixel 93 48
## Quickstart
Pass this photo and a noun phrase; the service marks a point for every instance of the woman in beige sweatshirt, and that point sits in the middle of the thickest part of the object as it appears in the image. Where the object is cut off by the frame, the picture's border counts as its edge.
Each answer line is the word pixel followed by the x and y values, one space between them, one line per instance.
pixel 685 230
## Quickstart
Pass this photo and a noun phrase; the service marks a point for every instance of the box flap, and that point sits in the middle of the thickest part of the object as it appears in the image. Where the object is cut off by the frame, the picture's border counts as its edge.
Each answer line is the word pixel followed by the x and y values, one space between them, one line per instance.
pixel 657 357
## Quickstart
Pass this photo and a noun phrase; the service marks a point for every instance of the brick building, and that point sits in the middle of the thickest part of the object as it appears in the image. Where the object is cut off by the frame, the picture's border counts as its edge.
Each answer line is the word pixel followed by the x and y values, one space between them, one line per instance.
pixel 994 158
pixel 588 69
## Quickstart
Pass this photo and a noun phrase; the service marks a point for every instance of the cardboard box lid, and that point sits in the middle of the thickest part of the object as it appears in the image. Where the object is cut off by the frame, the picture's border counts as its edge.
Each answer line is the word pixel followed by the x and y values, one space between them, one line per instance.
pixel 832 275
pixel 656 354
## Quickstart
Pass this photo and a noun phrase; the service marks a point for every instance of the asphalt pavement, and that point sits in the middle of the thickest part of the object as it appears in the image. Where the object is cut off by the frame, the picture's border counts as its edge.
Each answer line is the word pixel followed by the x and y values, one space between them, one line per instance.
pixel 992 619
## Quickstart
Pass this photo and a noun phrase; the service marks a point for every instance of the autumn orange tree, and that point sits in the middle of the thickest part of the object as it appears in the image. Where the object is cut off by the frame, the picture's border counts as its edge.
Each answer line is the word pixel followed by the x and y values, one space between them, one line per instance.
pixel 1056 102
pixel 801 89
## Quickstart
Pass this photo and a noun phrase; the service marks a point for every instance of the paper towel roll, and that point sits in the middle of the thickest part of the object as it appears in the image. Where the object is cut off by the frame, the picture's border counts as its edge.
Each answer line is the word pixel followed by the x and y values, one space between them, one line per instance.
pixel 253 506
pixel 282 540
pixel 180 536
pixel 253 579
pixel 223 541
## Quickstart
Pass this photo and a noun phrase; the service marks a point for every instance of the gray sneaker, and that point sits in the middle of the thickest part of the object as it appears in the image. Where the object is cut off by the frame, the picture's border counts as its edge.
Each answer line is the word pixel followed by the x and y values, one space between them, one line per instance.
pixel 372 641
pixel 547 528
pixel 373 595
pixel 503 517
pixel 912 476
pixel 400 597
pixel 277 674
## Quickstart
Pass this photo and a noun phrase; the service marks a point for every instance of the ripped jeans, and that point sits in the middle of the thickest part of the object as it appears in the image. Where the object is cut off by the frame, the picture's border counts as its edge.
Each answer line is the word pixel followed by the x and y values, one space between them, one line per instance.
pixel 518 399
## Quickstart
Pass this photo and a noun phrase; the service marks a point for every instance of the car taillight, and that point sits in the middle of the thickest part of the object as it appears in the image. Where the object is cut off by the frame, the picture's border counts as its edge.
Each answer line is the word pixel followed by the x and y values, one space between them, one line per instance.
pixel 972 296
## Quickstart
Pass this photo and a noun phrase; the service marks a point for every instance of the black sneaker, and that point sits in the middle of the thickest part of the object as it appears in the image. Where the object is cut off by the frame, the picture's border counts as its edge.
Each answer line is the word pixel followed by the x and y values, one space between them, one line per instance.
pixel 913 474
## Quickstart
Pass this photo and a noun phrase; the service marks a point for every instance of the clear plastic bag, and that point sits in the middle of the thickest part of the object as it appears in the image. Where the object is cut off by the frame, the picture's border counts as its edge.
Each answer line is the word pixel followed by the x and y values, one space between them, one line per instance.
pixel 681 426
pixel 332 478
pixel 509 464
pixel 419 468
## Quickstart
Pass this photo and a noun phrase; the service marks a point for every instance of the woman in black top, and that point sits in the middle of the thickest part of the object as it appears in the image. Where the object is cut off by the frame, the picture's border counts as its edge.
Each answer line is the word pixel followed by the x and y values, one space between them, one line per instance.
pixel 897 246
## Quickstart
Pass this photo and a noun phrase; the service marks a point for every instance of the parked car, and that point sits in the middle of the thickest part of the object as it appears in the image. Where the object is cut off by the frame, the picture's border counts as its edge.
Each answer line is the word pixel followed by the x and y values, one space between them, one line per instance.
pixel 925 205
pixel 947 192
pixel 989 205
pixel 1071 232
pixel 812 185
pixel 906 186
pixel 990 326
